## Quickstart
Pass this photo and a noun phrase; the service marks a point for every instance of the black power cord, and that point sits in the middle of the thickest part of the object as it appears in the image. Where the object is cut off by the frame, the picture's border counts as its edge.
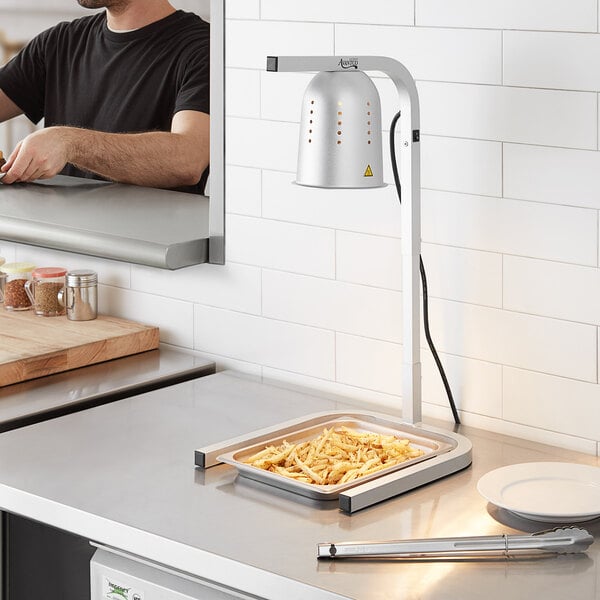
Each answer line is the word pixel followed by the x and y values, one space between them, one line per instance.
pixel 438 362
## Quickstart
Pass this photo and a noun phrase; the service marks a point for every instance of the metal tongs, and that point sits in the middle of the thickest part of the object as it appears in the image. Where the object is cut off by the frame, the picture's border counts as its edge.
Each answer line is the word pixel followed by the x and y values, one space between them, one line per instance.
pixel 564 540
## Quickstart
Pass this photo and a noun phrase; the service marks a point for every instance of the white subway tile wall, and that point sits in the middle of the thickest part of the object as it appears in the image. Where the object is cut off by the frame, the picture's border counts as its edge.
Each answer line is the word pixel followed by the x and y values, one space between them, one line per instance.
pixel 311 292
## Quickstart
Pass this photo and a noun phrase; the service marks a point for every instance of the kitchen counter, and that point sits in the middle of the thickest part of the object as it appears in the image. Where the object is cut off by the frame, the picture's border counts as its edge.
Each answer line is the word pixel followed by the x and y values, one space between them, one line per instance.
pixel 123 475
pixel 55 395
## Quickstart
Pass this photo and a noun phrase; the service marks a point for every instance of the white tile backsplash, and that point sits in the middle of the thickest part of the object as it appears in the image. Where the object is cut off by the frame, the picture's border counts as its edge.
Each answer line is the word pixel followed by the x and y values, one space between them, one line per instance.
pixel 7 251
pixel 476 385
pixel 552 289
pixel 232 286
pixel 460 55
pixel 556 175
pixel 376 261
pixel 400 12
pixel 464 275
pixel 243 191
pixel 173 317
pixel 509 338
pixel 335 305
pixel 369 211
pixel 558 15
pixel 242 93
pixel 250 42
pixel 242 9
pixel 552 403
pixel 369 260
pixel 562 233
pixel 279 245
pixel 377 365
pixel 278 143
pixel 287 346
pixel 509 114
pixel 461 165
pixel 566 61
pixel 370 364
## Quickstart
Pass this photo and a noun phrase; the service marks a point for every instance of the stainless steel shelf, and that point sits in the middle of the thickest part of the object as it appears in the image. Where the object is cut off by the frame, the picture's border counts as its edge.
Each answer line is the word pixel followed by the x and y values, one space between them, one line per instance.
pixel 146 226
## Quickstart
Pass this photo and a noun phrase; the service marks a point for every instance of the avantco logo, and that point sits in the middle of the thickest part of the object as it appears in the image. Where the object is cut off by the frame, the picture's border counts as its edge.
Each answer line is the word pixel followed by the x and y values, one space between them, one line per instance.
pixel 348 63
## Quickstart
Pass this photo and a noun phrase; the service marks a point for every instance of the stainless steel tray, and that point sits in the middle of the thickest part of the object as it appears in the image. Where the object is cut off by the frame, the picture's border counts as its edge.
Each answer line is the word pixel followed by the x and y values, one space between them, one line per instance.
pixel 432 443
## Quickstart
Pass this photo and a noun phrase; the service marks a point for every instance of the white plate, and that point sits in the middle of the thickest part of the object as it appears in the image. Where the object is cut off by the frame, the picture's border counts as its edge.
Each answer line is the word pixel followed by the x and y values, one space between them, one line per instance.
pixel 552 492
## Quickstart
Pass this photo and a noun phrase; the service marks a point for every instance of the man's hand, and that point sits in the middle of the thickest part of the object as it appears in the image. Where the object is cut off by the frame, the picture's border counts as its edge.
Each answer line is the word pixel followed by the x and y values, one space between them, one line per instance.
pixel 163 159
pixel 41 155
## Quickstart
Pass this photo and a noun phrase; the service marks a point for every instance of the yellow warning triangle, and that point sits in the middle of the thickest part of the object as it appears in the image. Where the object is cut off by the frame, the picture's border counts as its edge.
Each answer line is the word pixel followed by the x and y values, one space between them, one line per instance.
pixel 368 172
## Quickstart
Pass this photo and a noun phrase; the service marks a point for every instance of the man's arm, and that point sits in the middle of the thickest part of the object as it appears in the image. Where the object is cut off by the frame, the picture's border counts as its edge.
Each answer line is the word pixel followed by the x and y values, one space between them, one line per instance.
pixel 8 109
pixel 155 159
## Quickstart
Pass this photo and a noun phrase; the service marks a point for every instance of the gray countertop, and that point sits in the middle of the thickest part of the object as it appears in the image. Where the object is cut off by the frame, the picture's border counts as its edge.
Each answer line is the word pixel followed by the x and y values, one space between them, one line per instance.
pixel 123 474
pixel 55 395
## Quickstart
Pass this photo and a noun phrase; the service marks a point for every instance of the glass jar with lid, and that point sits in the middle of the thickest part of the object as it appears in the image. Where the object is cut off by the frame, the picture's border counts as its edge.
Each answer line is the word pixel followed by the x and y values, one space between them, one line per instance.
pixel 17 275
pixel 43 289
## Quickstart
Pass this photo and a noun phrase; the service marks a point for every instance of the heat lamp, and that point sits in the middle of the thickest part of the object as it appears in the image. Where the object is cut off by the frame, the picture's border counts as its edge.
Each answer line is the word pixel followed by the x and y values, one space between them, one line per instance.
pixel 340 147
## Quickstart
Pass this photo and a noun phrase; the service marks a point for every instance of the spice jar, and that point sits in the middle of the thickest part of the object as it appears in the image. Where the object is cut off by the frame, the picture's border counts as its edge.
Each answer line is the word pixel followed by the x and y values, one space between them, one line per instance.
pixel 43 289
pixel 80 295
pixel 17 275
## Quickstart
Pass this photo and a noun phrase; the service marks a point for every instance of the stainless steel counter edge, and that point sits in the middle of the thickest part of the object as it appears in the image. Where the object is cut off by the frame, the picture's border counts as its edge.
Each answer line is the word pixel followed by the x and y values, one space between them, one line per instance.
pixel 202 564
pixel 109 220
pixel 95 243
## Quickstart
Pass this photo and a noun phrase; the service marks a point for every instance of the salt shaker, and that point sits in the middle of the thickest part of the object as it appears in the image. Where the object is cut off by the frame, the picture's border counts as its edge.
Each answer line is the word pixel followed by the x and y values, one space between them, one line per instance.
pixel 17 275
pixel 80 295
pixel 43 289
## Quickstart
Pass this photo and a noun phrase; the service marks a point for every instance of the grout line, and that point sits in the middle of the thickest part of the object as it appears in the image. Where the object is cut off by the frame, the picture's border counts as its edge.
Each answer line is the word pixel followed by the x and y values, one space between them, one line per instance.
pixel 334 40
pixel 502 148
pixel 502 61
pixel 597 355
pixel 335 365
pixel 335 256
pixel 597 238
pixel 261 192
pixel 502 392
pixel 262 271
pixel 502 282
pixel 406 25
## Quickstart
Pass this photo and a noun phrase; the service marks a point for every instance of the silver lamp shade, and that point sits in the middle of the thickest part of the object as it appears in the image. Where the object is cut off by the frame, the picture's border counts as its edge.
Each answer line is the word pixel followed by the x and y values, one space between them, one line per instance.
pixel 340 132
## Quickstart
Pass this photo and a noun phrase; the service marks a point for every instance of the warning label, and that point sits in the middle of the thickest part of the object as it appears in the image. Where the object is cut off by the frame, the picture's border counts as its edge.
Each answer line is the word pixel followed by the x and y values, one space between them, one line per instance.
pixel 368 172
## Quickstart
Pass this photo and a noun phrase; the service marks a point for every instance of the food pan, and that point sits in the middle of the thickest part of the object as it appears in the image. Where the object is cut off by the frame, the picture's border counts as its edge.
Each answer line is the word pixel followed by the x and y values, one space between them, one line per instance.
pixel 432 444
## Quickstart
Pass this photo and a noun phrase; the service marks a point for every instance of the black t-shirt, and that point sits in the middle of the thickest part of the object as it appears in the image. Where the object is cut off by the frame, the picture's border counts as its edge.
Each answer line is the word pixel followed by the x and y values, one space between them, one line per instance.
pixel 82 74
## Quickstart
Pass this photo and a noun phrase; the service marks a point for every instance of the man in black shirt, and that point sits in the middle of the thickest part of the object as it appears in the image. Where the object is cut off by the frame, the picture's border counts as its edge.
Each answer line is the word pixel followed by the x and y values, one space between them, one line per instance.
pixel 124 94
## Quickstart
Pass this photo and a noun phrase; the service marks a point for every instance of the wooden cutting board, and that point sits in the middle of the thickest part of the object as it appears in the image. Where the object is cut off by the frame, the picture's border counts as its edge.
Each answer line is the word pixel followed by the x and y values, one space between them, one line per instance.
pixel 32 346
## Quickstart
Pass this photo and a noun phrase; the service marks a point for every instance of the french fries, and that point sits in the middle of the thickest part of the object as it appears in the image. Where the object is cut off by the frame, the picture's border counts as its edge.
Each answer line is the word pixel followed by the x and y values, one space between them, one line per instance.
pixel 336 456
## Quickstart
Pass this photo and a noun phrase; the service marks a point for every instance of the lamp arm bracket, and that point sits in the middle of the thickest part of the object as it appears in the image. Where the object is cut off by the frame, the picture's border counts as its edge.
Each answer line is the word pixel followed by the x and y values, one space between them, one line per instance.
pixel 395 70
